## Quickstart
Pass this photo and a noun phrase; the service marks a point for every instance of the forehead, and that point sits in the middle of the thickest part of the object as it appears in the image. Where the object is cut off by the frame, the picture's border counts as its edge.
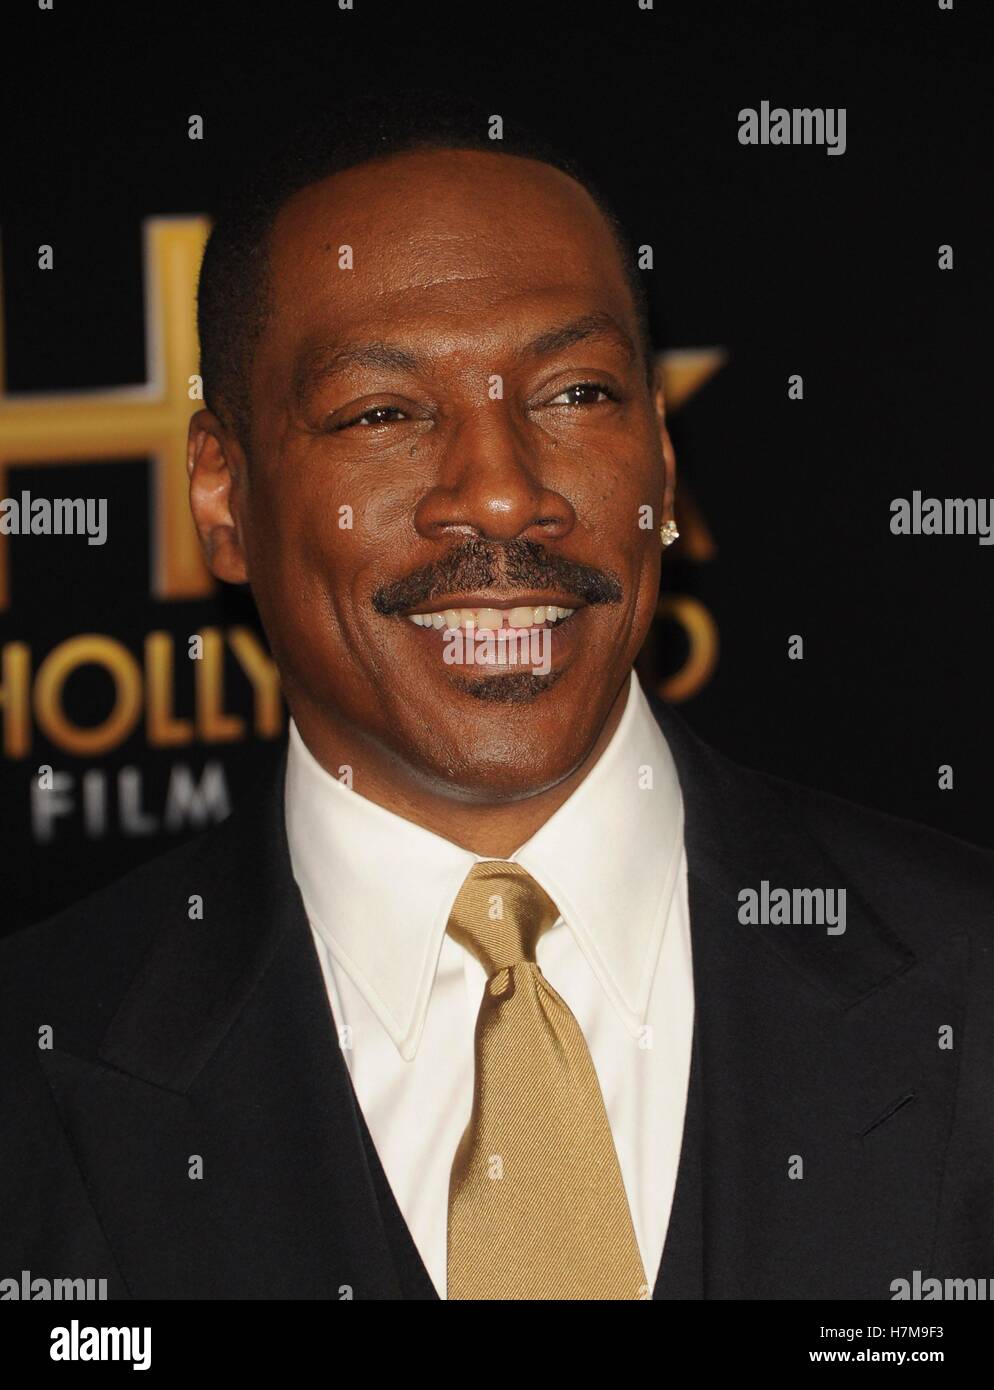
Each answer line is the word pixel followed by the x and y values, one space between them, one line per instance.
pixel 457 239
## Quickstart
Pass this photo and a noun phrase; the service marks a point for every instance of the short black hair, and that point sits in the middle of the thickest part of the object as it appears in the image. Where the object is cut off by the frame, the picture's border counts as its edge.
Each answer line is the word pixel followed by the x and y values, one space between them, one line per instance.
pixel 235 293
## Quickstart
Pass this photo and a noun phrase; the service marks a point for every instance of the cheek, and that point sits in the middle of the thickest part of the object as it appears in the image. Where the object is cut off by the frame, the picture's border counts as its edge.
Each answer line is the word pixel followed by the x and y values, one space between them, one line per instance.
pixel 630 536
pixel 624 516
pixel 328 536
pixel 300 551
pixel 624 476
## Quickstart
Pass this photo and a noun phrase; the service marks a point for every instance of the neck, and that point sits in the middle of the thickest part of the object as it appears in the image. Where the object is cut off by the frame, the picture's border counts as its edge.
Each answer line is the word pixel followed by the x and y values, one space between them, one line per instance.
pixel 492 830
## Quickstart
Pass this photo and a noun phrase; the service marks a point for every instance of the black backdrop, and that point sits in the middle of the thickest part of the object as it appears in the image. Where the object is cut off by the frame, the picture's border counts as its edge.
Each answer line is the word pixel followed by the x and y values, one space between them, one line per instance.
pixel 790 260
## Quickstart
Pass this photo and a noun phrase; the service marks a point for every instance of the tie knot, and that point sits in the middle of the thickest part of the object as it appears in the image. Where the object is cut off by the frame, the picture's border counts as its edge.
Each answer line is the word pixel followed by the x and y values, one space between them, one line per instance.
pixel 499 914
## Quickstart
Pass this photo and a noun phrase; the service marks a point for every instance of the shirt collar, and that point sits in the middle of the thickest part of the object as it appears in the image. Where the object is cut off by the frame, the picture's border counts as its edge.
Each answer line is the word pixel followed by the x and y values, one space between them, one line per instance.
pixel 378 889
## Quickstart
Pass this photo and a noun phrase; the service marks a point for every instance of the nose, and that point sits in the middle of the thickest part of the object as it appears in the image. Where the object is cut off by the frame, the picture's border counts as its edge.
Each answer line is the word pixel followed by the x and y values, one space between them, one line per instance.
pixel 488 486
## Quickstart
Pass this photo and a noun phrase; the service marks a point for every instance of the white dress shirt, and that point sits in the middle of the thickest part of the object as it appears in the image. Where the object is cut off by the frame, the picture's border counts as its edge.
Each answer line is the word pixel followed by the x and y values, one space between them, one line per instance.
pixel 378 890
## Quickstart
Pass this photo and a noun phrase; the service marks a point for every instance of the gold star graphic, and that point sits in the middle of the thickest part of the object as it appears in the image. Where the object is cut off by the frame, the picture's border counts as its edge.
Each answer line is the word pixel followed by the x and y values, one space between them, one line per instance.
pixel 685 371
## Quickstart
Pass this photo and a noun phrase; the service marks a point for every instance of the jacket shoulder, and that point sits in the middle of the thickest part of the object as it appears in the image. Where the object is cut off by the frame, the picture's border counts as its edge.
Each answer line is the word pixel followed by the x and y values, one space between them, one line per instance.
pixel 929 884
pixel 73 968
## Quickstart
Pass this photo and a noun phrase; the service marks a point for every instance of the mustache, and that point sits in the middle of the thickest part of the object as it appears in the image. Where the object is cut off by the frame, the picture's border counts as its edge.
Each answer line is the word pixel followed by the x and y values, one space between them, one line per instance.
pixel 478 564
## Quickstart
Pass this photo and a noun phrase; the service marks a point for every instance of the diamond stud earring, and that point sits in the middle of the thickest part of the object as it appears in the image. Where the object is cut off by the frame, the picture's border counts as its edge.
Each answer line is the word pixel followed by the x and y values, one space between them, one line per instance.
pixel 668 532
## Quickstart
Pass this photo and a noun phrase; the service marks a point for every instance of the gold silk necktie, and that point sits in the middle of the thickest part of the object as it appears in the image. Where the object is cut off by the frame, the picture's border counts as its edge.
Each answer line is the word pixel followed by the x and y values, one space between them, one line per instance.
pixel 537 1206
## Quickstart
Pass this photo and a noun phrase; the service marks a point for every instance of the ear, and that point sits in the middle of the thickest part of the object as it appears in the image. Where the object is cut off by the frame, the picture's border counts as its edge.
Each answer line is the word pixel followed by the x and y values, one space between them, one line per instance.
pixel 666 444
pixel 215 465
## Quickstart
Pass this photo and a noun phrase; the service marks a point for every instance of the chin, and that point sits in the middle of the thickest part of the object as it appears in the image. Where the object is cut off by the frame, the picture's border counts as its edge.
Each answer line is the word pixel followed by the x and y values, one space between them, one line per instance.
pixel 505 763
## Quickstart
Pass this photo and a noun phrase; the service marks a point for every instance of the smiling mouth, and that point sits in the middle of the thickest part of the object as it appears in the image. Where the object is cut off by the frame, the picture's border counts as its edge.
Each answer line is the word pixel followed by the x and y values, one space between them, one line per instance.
pixel 511 618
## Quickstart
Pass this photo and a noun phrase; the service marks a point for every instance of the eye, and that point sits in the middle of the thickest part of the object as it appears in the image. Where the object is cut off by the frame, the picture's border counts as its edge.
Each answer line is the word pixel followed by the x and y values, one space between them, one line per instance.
pixel 375 415
pixel 581 393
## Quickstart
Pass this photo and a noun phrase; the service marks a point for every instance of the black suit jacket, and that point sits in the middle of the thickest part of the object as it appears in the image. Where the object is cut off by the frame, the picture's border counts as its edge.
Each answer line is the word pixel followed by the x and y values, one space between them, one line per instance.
pixel 172 1039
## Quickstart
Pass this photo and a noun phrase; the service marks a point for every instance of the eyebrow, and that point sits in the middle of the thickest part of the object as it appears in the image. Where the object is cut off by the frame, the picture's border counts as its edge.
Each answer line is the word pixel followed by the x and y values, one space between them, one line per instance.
pixel 596 325
pixel 324 360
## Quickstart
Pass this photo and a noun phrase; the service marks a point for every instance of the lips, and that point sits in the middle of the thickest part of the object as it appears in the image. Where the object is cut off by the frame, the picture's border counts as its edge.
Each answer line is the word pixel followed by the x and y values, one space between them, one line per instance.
pixel 534 637
pixel 480 618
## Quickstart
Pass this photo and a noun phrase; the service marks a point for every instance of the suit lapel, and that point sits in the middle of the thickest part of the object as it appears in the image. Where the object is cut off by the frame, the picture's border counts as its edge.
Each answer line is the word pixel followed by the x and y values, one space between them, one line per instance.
pixel 820 1103
pixel 217 1130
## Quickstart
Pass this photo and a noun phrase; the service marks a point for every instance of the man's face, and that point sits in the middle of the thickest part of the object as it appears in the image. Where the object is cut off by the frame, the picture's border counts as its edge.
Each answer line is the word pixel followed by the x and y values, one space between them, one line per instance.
pixel 455 423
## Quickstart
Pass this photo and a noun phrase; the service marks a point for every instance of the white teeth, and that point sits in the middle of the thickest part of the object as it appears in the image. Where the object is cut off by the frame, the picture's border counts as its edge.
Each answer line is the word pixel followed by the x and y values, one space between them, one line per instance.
pixel 492 619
